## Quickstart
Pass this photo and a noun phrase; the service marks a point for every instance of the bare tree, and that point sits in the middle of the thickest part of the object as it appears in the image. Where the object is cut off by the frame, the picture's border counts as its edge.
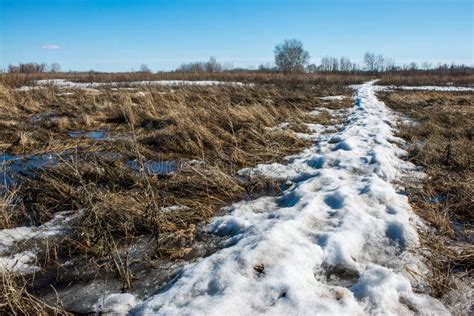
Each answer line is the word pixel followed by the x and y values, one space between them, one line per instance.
pixel 373 62
pixel 413 66
pixel 345 64
pixel 334 64
pixel 209 66
pixel 326 64
pixel 426 65
pixel 290 56
pixel 55 67
pixel 311 68
pixel 379 62
pixel 144 68
pixel 369 61
pixel 213 66
pixel 192 67
pixel 389 64
pixel 329 64
pixel 27 68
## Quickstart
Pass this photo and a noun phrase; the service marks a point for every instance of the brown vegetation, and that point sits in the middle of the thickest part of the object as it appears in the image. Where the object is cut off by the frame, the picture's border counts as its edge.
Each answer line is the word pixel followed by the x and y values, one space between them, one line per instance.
pixel 427 78
pixel 441 141
pixel 326 81
pixel 208 132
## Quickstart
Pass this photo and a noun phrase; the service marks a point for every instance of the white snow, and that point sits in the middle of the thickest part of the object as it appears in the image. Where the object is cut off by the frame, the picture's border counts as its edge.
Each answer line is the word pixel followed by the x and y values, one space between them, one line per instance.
pixel 335 243
pixel 116 304
pixel 62 83
pixel 9 236
pixel 332 112
pixel 426 88
pixel 140 94
pixel 279 127
pixel 333 98
pixel 23 262
pixel 28 88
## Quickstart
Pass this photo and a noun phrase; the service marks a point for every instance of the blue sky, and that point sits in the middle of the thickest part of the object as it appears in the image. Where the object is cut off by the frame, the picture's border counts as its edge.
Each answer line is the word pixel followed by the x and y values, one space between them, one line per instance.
pixel 113 35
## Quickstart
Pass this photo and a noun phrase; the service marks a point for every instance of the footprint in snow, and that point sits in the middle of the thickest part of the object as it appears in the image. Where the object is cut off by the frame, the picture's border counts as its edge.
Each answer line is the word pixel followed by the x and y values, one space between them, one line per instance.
pixel 342 146
pixel 335 200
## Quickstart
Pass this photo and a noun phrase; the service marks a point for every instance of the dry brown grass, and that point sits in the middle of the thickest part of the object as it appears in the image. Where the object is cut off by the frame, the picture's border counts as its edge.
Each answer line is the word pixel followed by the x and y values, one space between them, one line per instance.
pixel 442 142
pixel 200 115
pixel 15 298
pixel 11 212
pixel 222 128
pixel 329 81
pixel 321 80
pixel 428 78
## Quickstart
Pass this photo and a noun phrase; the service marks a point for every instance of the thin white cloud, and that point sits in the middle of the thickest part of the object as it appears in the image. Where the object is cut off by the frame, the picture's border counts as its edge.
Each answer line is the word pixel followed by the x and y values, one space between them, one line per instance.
pixel 50 46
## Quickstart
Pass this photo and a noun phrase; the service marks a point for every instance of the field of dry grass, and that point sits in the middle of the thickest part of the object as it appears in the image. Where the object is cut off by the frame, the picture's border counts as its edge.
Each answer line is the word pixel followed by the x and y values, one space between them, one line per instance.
pixel 427 79
pixel 409 78
pixel 440 133
pixel 13 80
pixel 118 159
pixel 141 169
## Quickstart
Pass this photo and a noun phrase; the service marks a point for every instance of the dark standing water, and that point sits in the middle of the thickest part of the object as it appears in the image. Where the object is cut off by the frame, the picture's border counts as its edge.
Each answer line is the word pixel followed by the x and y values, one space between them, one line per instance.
pixel 11 165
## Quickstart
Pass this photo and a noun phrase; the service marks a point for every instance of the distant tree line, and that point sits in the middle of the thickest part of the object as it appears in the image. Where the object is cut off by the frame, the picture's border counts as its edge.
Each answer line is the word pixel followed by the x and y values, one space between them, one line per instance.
pixel 31 68
pixel 290 57
pixel 209 66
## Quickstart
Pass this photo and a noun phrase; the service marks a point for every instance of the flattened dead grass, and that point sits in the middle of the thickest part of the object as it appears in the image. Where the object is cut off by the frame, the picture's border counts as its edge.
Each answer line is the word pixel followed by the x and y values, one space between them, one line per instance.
pixel 441 140
pixel 15 298
pixel 211 132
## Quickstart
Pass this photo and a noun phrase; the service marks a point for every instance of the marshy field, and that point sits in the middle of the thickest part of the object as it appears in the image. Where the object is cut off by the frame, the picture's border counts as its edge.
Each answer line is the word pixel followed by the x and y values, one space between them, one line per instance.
pixel 164 193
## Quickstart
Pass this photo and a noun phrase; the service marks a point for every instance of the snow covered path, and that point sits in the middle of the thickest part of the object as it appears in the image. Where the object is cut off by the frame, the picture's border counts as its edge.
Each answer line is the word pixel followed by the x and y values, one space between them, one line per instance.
pixel 336 243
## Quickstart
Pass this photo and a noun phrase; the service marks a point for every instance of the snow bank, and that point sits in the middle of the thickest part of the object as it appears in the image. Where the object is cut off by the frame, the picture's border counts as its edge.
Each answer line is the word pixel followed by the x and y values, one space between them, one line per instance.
pixel 333 98
pixel 426 88
pixel 62 83
pixel 335 243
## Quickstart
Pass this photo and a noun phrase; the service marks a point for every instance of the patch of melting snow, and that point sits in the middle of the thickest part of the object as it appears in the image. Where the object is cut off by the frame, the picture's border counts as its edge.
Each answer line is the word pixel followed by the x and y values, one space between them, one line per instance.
pixel 279 127
pixel 408 122
pixel 54 227
pixel 333 98
pixel 332 112
pixel 28 88
pixel 448 88
pixel 335 243
pixel 62 83
pixel 116 304
pixel 140 94
pixel 21 263
pixel 174 208
pixel 24 262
